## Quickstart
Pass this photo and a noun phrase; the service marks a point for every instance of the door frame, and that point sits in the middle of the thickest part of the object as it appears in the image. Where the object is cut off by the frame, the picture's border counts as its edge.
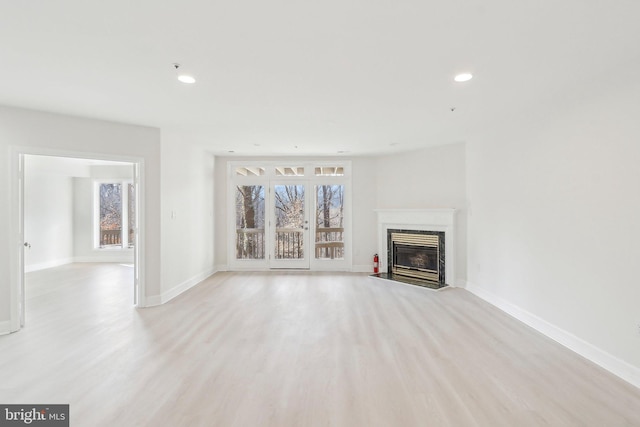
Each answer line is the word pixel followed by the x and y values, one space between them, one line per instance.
pixel 16 226
pixel 307 232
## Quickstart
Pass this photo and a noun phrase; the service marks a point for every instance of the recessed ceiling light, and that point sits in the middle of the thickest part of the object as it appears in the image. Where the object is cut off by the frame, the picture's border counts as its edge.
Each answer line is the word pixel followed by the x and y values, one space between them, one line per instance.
pixel 185 78
pixel 464 77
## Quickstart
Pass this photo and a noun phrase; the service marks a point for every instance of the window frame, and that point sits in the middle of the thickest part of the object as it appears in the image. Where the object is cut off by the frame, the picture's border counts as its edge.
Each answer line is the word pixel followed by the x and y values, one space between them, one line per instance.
pixel 124 231
pixel 309 177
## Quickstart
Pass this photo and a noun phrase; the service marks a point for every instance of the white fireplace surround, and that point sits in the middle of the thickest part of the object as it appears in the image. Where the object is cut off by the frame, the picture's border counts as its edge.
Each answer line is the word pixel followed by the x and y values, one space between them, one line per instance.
pixel 423 220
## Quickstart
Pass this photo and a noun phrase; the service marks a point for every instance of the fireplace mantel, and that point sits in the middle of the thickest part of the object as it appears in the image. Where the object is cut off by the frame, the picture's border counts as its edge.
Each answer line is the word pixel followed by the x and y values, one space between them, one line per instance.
pixel 419 219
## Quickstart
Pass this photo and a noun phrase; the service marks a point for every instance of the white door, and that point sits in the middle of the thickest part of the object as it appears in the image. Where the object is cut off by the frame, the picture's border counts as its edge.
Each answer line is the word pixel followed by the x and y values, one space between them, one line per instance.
pixel 289 225
pixel 22 244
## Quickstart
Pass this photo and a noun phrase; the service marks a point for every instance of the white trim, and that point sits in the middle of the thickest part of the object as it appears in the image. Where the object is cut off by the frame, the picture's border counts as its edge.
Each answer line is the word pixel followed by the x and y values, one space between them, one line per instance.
pixel 179 289
pixel 139 251
pixel 326 264
pixel 5 327
pixel 442 219
pixel 221 267
pixel 153 300
pixel 48 264
pixel 611 363
pixel 248 267
pixel 115 259
pixel 16 239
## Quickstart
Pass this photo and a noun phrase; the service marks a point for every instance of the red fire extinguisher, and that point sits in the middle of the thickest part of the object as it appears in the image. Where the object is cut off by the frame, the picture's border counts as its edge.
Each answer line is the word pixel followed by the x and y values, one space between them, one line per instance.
pixel 375 264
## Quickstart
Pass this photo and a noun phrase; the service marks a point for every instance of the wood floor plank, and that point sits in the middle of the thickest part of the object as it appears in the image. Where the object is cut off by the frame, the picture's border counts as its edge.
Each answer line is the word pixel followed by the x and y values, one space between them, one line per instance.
pixel 294 349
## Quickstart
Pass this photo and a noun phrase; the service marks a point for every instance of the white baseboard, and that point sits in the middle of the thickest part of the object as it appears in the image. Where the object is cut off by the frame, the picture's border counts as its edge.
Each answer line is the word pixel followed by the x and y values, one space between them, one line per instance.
pixel 178 289
pixel 151 301
pixel 616 366
pixel 366 268
pixel 126 259
pixel 362 268
pixel 49 264
pixel 5 327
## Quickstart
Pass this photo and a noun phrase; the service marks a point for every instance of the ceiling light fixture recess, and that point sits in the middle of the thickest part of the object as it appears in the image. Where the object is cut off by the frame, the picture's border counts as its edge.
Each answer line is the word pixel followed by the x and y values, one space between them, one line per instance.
pixel 463 77
pixel 184 78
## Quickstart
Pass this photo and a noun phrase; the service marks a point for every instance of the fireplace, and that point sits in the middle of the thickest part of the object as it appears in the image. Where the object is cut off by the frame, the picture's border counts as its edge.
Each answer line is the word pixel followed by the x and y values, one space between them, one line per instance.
pixel 424 240
pixel 417 255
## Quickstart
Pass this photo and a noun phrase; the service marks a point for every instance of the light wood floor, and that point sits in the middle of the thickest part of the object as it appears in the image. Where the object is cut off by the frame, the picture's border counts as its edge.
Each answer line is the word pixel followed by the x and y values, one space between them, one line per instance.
pixel 294 349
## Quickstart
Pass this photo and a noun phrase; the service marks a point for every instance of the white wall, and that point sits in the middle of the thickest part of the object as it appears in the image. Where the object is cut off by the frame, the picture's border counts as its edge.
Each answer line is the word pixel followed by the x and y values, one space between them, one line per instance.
pixel 83 223
pixel 124 172
pixel 365 221
pixel 187 214
pixel 32 130
pixel 220 217
pixel 553 221
pixel 433 177
pixel 48 218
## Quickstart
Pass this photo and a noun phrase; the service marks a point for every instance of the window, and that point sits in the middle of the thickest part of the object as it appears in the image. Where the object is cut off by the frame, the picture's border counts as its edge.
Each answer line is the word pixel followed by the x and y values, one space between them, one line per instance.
pixel 116 214
pixel 289 213
pixel 250 216
pixel 329 222
pixel 131 213
pixel 250 171
pixel 329 171
pixel 289 171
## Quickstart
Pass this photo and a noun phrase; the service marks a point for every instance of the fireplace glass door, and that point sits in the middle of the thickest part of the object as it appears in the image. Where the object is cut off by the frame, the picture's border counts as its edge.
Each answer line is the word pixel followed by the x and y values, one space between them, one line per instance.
pixel 417 254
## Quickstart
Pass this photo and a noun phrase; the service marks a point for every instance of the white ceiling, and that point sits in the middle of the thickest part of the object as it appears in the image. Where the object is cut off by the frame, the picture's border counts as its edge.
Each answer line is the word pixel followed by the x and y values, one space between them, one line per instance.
pixel 362 76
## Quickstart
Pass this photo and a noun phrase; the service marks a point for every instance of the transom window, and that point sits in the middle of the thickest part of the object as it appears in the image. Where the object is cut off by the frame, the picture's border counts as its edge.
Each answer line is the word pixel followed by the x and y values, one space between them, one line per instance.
pixel 329 171
pixel 289 171
pixel 249 171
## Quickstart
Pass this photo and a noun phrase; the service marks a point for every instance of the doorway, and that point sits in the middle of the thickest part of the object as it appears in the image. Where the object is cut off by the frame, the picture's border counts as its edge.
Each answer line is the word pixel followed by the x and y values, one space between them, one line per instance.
pixel 272 224
pixel 290 225
pixel 49 186
pixel 289 217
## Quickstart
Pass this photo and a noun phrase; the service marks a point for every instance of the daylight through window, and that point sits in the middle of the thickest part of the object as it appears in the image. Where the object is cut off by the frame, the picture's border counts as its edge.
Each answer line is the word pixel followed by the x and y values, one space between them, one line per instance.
pixel 116 215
